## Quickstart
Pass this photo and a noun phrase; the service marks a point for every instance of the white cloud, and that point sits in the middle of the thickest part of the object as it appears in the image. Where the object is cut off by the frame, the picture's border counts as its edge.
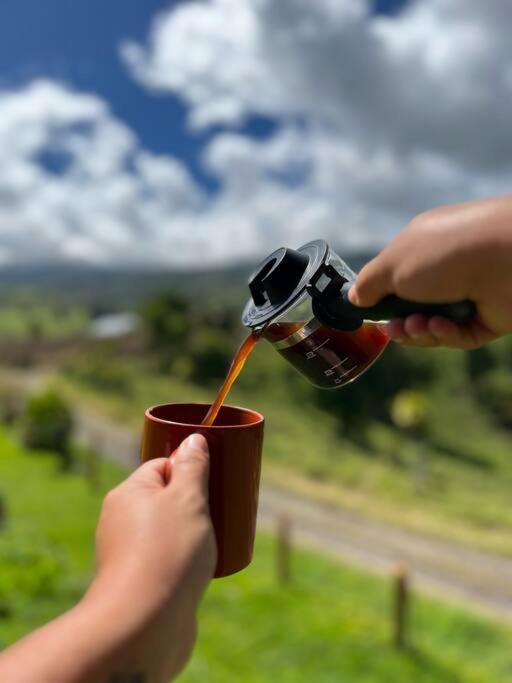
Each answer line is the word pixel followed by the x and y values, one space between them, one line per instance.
pixel 111 201
pixel 380 117
pixel 406 81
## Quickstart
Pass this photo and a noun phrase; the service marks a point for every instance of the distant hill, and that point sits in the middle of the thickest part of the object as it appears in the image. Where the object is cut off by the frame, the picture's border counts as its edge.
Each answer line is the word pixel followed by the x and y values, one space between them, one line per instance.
pixel 107 289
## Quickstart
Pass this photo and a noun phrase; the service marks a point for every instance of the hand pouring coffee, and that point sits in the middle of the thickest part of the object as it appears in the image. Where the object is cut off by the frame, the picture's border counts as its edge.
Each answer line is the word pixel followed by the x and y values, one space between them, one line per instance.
pixel 300 304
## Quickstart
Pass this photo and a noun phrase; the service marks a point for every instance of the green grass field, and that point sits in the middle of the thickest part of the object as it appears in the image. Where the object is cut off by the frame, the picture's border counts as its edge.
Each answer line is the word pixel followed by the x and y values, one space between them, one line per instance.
pixel 331 623
pixel 466 481
pixel 29 318
pixel 46 548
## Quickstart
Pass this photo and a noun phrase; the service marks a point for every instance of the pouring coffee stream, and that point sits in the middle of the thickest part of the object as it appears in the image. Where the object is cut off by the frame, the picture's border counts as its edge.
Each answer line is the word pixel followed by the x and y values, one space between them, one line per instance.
pixel 236 368
pixel 299 303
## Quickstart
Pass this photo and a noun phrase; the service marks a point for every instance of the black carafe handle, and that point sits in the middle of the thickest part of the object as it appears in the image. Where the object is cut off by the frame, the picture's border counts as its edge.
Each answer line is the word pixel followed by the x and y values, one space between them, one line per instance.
pixel 460 312
pixel 338 312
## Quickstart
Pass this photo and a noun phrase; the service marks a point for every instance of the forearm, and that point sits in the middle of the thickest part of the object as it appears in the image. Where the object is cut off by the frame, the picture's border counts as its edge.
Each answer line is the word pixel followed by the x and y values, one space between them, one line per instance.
pixel 103 639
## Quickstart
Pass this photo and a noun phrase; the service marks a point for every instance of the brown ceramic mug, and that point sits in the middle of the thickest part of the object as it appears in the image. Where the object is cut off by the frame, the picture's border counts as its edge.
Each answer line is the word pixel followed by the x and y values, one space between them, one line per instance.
pixel 235 442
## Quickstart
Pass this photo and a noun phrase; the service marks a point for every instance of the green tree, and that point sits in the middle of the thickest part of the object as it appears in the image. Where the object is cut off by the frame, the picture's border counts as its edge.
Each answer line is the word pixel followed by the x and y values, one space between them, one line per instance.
pixel 48 425
pixel 166 319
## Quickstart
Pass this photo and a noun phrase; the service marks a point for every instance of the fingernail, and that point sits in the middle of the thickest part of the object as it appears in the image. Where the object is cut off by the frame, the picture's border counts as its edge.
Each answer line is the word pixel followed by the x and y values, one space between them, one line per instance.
pixel 196 441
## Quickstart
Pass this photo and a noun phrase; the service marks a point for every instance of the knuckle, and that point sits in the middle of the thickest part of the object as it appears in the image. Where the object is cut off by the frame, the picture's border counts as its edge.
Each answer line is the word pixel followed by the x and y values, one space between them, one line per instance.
pixel 112 497
pixel 424 221
pixel 424 226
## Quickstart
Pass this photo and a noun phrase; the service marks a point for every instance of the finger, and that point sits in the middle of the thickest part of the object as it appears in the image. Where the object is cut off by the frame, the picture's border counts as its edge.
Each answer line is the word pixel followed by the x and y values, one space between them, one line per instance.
pixel 190 465
pixel 373 283
pixel 412 331
pixel 151 472
pixel 447 332
pixel 418 333
pixel 395 329
pixel 424 332
pixel 416 325
pixel 459 337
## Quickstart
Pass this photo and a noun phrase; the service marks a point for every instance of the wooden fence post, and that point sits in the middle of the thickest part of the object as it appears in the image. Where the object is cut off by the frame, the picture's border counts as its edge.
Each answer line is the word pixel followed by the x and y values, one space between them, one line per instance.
pixel 283 550
pixel 401 603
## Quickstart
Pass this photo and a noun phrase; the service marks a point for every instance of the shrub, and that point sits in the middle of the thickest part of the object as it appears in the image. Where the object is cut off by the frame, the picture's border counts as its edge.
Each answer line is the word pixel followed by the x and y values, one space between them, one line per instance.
pixel 27 572
pixel 48 425
pixel 166 320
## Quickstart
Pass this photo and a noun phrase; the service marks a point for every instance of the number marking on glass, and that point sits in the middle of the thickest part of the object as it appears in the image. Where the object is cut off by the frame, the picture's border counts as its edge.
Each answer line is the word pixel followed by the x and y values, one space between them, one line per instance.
pixel 312 354
pixel 331 370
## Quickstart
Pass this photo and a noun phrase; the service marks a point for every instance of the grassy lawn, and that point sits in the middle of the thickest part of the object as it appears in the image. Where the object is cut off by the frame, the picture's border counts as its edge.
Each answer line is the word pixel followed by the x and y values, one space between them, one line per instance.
pixel 466 479
pixel 46 548
pixel 330 624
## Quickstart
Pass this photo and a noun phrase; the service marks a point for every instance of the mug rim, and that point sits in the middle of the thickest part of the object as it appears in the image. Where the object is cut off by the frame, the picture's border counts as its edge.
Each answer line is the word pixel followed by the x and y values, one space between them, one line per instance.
pixel 148 414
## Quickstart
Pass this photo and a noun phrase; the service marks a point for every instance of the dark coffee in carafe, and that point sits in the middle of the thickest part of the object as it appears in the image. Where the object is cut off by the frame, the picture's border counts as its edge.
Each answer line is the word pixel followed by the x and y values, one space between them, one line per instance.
pixel 327 358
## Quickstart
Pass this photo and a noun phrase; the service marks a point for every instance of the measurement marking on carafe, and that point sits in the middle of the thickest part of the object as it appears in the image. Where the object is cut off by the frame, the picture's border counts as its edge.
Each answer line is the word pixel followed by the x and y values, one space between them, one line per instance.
pixel 312 354
pixel 331 370
pixel 339 380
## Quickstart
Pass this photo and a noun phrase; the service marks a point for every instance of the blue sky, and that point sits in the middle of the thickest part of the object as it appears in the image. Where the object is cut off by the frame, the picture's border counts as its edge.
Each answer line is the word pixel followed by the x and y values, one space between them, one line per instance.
pixel 77 42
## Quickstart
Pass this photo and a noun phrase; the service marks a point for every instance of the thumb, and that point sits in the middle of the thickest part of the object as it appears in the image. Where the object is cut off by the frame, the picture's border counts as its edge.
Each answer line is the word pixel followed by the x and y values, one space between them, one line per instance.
pixel 372 284
pixel 190 465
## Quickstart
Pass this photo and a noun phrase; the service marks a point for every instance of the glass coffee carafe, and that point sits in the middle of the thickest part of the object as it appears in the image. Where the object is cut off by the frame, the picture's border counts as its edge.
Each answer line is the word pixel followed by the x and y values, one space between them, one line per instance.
pixel 299 303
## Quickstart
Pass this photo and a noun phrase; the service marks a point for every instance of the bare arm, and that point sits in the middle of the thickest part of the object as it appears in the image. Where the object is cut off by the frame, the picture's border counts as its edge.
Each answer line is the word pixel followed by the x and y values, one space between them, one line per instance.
pixel 448 254
pixel 137 622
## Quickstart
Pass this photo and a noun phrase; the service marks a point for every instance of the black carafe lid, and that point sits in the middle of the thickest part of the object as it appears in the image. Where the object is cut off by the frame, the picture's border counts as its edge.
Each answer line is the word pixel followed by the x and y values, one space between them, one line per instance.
pixel 280 281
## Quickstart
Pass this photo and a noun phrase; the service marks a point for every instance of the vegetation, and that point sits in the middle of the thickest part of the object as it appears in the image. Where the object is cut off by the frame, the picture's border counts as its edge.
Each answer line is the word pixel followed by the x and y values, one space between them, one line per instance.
pixel 422 439
pixel 48 425
pixel 333 624
pixel 101 369
pixel 330 623
pixel 47 543
pixel 449 474
pixel 12 402
pixel 26 317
